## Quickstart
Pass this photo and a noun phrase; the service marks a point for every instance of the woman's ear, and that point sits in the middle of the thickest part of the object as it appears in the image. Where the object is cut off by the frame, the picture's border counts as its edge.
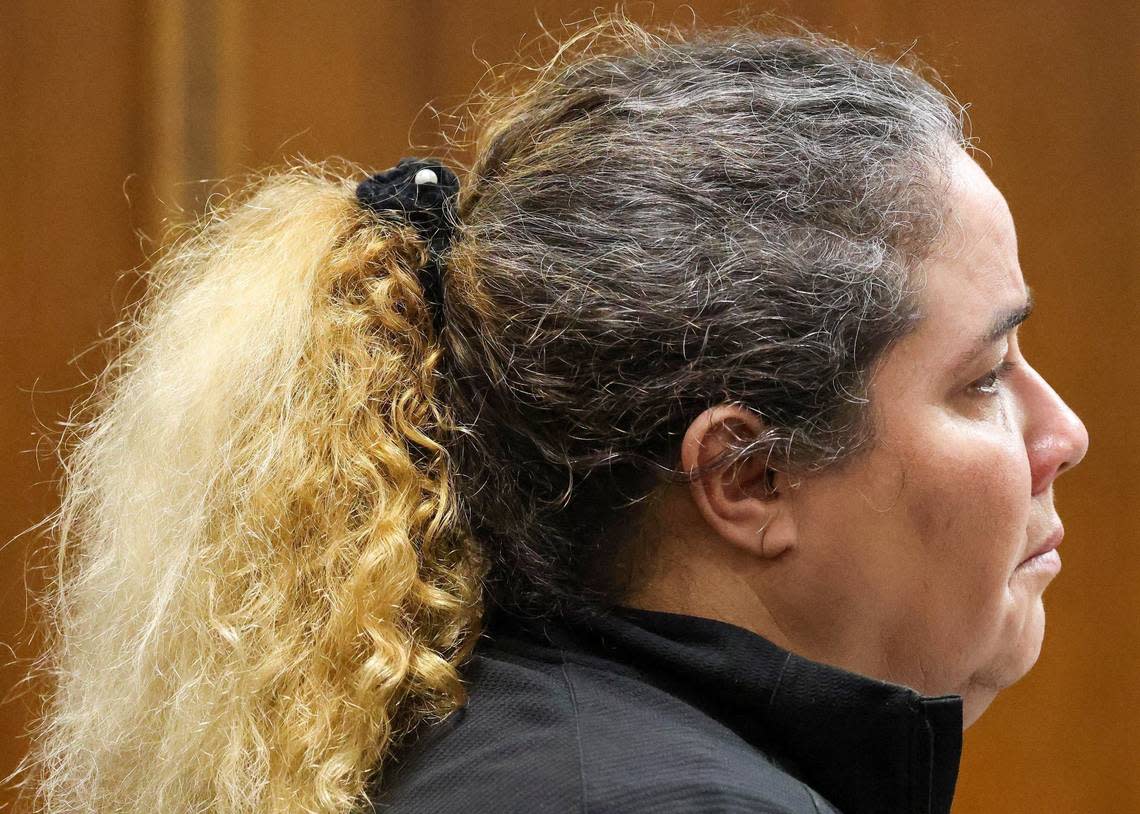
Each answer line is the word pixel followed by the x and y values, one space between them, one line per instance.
pixel 745 504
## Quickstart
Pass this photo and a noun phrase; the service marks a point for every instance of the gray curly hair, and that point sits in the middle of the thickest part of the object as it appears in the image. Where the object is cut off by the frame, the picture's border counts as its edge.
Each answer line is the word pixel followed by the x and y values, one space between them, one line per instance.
pixel 652 229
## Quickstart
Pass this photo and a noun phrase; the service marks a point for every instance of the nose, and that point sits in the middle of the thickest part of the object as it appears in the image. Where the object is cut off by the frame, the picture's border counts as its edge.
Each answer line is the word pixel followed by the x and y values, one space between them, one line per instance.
pixel 1056 438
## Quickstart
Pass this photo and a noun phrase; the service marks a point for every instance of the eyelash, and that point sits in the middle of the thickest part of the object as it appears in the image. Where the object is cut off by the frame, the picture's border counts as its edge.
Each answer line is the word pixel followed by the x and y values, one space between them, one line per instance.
pixel 992 379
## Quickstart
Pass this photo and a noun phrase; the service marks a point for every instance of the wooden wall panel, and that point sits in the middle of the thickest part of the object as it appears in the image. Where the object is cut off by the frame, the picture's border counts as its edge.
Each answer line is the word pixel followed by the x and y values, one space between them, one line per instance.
pixel 67 141
pixel 114 115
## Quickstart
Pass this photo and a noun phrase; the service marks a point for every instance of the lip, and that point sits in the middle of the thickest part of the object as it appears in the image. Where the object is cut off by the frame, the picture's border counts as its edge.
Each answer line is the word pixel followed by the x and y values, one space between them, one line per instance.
pixel 1051 543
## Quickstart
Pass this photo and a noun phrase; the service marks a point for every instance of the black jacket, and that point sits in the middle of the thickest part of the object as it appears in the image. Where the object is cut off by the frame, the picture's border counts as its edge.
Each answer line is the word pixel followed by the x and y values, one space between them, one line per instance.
pixel 644 711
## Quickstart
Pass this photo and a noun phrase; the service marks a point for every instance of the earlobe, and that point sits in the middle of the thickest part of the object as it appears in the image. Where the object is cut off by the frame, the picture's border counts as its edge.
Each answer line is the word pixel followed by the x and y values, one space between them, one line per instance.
pixel 776 536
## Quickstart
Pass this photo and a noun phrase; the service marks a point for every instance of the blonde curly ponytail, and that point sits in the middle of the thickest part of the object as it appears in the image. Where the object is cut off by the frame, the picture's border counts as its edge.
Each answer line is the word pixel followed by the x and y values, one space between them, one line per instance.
pixel 262 584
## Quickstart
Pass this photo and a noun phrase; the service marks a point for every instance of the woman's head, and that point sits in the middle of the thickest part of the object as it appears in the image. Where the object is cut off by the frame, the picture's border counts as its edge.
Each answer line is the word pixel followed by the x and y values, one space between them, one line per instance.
pixel 658 228
pixel 289 499
pixel 906 561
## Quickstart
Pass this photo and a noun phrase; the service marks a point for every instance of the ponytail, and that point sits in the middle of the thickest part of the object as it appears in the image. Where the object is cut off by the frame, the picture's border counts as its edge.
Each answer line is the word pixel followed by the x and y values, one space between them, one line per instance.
pixel 262 582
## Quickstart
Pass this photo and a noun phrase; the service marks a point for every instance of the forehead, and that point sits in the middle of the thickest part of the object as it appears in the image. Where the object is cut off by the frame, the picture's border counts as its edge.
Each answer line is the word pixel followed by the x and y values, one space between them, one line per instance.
pixel 973 272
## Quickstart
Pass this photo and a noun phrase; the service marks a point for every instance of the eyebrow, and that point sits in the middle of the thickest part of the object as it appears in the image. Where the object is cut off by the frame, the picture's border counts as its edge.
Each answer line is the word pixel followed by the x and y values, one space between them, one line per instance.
pixel 1002 324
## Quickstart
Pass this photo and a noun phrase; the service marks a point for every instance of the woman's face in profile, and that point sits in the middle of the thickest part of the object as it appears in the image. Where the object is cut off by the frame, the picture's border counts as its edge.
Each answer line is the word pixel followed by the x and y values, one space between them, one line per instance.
pixel 920 545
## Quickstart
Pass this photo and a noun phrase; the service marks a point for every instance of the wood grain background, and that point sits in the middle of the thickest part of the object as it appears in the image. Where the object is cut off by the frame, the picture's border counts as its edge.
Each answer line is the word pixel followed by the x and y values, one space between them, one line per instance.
pixel 113 115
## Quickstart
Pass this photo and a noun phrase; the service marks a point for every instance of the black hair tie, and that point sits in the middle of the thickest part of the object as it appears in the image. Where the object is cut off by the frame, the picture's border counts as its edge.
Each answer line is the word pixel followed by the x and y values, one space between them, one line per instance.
pixel 424 192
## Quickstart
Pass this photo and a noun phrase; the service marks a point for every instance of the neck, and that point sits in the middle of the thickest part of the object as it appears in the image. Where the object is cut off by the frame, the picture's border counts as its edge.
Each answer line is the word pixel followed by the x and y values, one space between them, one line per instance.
pixel 730 589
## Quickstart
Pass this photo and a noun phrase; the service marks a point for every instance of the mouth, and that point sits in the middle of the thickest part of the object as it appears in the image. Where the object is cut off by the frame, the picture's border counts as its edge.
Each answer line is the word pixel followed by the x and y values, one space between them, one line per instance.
pixel 1050 544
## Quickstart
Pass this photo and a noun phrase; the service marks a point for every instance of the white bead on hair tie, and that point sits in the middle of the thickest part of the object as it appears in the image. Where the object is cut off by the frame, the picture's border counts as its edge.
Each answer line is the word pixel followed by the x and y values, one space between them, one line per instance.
pixel 426 176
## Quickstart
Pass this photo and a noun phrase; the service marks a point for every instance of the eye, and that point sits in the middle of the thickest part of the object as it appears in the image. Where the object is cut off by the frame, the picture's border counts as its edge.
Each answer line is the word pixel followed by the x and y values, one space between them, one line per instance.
pixel 988 384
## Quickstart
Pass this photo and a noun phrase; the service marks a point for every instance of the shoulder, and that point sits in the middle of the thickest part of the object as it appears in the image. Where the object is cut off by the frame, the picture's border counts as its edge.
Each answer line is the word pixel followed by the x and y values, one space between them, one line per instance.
pixel 643 749
pixel 512 748
pixel 542 732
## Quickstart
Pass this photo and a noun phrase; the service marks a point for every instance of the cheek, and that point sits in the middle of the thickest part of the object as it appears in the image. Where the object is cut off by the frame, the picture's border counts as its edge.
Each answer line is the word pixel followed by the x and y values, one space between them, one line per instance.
pixel 969 505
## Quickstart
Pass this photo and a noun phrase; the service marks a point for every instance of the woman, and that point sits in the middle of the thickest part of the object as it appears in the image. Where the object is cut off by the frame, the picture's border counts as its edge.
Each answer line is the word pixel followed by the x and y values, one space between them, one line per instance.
pixel 681 458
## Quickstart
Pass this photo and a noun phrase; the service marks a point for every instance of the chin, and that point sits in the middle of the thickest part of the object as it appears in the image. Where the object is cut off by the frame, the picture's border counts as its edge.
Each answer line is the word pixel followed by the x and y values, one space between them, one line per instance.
pixel 1032 638
pixel 1023 647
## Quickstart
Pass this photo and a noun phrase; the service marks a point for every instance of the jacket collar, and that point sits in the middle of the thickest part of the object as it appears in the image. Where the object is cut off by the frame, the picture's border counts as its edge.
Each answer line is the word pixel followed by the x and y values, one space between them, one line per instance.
pixel 864 744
